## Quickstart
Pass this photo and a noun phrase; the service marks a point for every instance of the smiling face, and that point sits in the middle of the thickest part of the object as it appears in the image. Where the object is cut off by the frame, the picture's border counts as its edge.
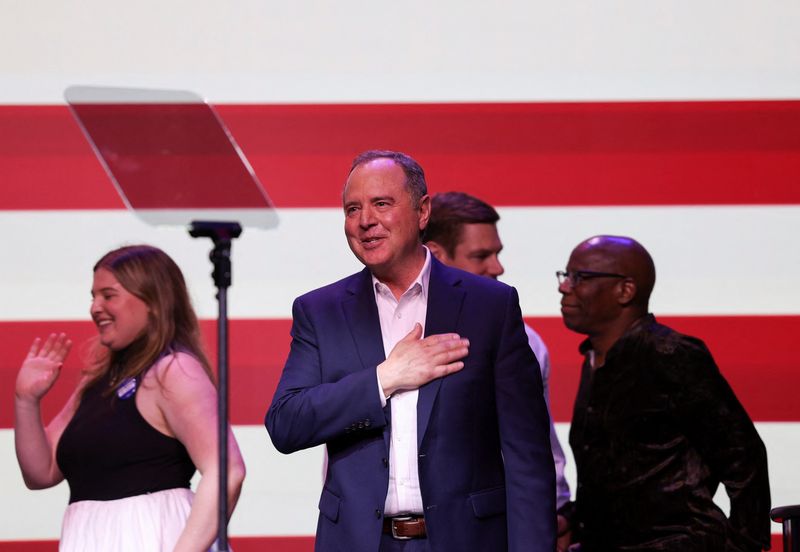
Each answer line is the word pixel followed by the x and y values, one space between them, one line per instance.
pixel 120 316
pixel 382 222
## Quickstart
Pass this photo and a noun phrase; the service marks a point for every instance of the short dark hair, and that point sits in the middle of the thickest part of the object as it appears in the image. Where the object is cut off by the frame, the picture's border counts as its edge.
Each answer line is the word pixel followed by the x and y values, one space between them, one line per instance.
pixel 449 212
pixel 415 176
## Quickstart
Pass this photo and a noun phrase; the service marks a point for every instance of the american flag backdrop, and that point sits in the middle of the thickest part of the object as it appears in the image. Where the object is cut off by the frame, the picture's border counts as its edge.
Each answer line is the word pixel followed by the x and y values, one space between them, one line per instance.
pixel 677 124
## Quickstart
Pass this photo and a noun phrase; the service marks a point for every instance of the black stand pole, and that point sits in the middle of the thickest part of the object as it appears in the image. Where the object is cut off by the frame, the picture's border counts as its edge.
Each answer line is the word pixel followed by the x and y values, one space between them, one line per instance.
pixel 221 233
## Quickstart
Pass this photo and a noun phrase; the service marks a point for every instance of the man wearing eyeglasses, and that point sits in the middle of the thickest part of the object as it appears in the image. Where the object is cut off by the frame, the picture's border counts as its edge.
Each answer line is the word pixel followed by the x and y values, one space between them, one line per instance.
pixel 655 427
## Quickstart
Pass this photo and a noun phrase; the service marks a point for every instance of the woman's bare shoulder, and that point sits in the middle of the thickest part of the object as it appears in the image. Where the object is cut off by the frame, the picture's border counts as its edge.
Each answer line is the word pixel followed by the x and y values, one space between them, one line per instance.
pixel 178 371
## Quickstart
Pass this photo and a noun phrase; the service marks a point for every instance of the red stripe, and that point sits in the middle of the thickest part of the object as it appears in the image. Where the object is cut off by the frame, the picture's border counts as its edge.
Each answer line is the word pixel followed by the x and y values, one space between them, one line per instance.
pixel 657 153
pixel 257 352
pixel 244 544
pixel 754 353
pixel 198 151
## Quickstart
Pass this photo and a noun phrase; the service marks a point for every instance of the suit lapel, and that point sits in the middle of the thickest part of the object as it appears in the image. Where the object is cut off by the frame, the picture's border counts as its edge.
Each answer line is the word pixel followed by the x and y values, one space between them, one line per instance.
pixel 361 314
pixel 444 307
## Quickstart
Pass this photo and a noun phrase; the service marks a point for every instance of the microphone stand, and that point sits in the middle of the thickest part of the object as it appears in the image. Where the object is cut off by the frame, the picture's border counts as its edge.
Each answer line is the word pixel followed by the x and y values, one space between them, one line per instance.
pixel 221 233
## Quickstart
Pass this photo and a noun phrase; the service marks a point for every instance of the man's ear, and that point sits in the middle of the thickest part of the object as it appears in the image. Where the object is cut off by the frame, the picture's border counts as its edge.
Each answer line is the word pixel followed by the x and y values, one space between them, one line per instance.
pixel 424 211
pixel 438 251
pixel 627 291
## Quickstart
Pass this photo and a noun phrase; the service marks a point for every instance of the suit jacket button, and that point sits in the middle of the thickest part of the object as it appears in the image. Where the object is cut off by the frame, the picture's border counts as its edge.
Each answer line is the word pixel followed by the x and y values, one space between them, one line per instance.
pixel 385 462
pixel 378 514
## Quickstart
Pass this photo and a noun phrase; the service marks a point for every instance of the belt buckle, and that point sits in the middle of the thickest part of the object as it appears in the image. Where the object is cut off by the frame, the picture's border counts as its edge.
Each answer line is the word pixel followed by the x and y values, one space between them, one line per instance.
pixel 394 531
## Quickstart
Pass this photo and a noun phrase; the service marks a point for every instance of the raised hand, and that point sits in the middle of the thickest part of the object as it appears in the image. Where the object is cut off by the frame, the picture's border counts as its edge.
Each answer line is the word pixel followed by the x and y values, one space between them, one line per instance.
pixel 414 362
pixel 41 367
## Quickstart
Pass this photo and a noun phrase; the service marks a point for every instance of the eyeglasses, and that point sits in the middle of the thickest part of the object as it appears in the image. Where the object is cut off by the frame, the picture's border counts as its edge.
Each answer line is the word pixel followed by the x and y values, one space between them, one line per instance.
pixel 574 278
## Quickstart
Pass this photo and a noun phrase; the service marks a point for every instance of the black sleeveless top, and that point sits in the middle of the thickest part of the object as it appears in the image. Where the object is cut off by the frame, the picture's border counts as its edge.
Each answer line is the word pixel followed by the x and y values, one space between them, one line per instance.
pixel 109 451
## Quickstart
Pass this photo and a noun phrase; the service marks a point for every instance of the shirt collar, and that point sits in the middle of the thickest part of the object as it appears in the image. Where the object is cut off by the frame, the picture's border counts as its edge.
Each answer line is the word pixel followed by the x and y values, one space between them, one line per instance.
pixel 422 280
pixel 645 321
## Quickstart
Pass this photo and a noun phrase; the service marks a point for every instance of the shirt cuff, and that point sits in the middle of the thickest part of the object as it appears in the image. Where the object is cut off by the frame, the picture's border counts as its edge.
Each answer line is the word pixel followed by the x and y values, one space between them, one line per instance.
pixel 383 397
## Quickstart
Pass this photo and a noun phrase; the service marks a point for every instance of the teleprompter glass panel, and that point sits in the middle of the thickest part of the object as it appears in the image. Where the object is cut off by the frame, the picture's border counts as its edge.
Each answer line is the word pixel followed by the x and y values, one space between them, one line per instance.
pixel 170 156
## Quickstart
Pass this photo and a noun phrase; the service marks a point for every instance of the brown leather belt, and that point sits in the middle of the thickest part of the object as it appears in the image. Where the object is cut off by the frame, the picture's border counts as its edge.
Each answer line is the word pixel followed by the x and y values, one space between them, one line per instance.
pixel 405 527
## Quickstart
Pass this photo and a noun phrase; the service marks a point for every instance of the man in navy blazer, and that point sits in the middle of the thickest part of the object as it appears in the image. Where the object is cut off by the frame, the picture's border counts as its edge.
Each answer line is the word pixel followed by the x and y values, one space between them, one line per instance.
pixel 435 443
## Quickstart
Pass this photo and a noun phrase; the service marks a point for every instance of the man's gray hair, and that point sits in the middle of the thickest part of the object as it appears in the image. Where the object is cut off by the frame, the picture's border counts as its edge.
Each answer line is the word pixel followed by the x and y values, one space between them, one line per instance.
pixel 415 176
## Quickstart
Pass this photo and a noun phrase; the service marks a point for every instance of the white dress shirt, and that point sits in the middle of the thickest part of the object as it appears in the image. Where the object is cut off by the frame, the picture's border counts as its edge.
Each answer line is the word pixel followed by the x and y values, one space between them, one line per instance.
pixel 397 320
pixel 543 356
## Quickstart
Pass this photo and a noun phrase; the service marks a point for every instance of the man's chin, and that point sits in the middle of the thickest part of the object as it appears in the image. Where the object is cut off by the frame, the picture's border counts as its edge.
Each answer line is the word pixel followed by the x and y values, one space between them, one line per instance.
pixel 368 258
pixel 572 324
pixel 373 260
pixel 379 269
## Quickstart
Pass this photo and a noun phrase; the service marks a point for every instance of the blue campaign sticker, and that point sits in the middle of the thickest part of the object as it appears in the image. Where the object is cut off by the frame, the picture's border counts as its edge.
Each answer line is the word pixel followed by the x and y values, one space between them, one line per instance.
pixel 127 388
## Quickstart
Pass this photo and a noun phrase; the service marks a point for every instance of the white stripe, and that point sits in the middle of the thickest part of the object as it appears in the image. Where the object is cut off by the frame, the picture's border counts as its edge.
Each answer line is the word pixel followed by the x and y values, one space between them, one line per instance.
pixel 257 51
pixel 710 260
pixel 279 496
pixel 281 493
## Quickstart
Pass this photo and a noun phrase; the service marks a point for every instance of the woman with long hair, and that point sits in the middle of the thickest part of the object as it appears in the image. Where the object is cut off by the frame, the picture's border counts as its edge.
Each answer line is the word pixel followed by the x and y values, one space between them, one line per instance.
pixel 141 420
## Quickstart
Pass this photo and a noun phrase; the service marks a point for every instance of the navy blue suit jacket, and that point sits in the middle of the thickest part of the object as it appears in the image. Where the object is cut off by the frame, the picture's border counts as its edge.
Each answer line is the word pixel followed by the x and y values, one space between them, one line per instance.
pixel 485 466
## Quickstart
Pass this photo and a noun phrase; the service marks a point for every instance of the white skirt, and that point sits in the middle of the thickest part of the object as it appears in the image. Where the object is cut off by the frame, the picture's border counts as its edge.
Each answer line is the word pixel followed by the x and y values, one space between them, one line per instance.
pixel 144 523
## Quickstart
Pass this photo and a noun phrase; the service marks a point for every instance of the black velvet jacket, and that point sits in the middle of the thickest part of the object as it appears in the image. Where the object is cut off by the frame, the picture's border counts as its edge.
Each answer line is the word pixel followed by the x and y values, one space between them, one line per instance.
pixel 654 432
